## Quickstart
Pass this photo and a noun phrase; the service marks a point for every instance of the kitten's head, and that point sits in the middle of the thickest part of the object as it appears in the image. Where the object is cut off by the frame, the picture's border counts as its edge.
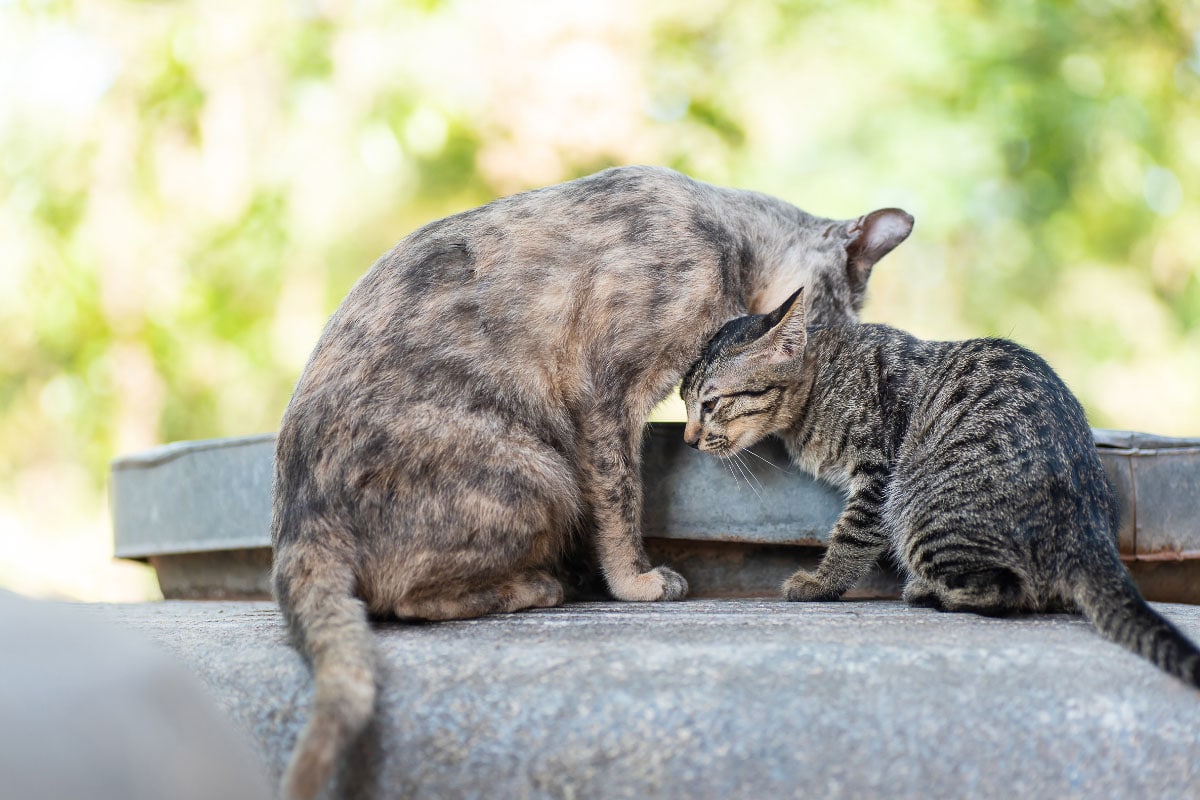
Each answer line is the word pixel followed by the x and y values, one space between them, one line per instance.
pixel 744 385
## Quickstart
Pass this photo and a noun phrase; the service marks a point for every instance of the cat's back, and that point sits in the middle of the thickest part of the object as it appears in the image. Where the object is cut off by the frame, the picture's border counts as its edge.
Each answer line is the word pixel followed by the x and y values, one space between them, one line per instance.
pixel 561 230
pixel 524 295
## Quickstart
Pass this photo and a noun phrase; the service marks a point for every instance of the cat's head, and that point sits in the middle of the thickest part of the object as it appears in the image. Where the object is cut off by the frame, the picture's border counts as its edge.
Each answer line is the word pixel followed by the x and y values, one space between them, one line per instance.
pixel 746 382
pixel 838 259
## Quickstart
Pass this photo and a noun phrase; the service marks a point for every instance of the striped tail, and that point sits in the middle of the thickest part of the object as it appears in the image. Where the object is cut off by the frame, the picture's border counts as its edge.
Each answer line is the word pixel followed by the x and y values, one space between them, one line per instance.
pixel 330 628
pixel 1112 603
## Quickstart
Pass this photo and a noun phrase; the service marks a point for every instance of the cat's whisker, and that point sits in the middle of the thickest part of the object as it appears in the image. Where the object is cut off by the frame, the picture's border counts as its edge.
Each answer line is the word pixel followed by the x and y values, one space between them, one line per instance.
pixel 754 482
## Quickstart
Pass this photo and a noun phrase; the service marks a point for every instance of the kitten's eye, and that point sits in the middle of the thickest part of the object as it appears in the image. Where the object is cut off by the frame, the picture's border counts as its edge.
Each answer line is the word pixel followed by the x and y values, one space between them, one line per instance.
pixel 708 405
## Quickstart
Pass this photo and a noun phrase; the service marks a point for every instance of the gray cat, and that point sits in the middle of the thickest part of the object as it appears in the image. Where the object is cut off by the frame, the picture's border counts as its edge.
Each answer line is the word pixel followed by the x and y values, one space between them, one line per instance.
pixel 477 402
pixel 970 461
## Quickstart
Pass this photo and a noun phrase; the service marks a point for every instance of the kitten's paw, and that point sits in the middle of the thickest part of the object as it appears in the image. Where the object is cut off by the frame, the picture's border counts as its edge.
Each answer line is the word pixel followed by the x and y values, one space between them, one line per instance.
pixel 804 587
pixel 659 583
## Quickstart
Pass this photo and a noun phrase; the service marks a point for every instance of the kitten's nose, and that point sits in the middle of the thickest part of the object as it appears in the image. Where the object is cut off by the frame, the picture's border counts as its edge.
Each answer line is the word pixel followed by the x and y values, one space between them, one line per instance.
pixel 691 435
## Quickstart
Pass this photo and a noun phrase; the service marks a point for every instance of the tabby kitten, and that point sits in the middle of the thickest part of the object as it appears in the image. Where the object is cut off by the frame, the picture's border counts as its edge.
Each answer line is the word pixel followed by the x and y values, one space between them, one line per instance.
pixel 971 461
pixel 478 400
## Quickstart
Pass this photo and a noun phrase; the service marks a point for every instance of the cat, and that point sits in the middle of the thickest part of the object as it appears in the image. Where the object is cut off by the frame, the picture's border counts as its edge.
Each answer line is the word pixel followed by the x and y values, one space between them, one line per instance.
pixel 477 403
pixel 971 462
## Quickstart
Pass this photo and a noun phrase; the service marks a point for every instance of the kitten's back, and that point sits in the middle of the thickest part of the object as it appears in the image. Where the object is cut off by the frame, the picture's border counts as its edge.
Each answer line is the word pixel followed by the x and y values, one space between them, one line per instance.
pixel 999 475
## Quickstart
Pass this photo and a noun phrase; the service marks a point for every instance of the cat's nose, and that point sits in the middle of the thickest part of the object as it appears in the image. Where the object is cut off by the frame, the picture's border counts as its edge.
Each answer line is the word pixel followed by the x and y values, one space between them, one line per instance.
pixel 691 435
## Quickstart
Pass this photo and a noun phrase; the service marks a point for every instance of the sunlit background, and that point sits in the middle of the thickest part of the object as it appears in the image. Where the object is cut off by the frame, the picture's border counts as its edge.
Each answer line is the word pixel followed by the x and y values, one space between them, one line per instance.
pixel 187 189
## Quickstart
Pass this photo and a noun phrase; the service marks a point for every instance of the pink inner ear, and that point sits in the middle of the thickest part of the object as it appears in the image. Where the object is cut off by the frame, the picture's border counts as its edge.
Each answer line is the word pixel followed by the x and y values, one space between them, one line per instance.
pixel 788 342
pixel 890 229
pixel 881 230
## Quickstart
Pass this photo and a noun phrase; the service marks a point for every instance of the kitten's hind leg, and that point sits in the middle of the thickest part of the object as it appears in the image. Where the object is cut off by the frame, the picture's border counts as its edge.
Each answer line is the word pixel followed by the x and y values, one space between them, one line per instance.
pixel 991 592
pixel 918 592
pixel 857 540
pixel 536 589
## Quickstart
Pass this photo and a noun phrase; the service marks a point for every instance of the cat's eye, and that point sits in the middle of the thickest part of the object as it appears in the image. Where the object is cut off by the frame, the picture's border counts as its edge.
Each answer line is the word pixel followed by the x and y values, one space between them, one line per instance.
pixel 708 405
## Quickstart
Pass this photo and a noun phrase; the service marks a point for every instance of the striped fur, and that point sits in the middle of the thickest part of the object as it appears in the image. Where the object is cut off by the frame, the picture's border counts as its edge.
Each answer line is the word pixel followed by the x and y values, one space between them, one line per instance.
pixel 475 406
pixel 970 461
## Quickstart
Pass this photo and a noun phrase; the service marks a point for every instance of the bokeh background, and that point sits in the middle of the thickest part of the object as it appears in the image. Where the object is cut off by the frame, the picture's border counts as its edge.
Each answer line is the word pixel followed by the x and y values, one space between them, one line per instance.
pixel 187 189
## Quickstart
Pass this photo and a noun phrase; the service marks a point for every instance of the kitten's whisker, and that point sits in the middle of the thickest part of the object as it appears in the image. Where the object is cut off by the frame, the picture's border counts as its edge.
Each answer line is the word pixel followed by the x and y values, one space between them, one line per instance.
pixel 729 462
pixel 725 461
pixel 733 469
pixel 755 483
pixel 742 468
pixel 732 461
pixel 766 461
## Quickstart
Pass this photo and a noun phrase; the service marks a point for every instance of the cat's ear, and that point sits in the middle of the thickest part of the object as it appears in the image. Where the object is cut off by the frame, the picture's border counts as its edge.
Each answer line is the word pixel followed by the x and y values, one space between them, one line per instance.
pixel 787 331
pixel 870 238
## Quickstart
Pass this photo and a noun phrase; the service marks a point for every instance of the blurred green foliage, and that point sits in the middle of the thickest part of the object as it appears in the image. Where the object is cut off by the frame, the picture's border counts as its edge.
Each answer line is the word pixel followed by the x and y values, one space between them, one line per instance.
pixel 188 189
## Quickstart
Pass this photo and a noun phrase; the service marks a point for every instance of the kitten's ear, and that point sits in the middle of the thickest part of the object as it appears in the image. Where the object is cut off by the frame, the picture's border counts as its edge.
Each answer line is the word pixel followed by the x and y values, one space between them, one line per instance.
pixel 870 238
pixel 788 331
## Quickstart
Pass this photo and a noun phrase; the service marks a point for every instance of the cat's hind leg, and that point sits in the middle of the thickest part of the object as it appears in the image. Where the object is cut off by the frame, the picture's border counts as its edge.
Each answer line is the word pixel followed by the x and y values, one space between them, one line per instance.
pixel 989 593
pixel 951 572
pixel 536 589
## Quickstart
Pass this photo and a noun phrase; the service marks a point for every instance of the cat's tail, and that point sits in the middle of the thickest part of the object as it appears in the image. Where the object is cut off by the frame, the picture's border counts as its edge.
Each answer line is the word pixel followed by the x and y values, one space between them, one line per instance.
pixel 329 625
pixel 1108 597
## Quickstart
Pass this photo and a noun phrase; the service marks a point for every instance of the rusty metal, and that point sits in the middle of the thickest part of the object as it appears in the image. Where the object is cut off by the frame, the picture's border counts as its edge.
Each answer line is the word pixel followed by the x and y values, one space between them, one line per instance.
pixel 1158 481
pixel 242 574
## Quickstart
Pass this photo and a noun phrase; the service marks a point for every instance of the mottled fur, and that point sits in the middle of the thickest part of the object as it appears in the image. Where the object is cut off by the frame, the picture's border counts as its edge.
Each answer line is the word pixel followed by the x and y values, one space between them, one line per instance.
pixel 479 398
pixel 970 461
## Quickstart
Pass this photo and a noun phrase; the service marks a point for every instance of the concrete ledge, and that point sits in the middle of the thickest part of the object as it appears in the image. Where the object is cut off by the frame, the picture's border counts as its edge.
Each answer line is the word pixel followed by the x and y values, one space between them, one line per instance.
pixel 720 699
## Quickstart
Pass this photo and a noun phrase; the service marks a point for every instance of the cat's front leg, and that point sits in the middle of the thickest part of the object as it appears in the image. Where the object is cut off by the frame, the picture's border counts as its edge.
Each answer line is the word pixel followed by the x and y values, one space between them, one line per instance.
pixel 856 541
pixel 612 483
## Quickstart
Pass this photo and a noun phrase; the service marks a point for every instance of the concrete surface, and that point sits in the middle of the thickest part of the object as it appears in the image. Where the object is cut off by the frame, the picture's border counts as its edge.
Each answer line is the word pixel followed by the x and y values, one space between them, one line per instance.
pixel 720 699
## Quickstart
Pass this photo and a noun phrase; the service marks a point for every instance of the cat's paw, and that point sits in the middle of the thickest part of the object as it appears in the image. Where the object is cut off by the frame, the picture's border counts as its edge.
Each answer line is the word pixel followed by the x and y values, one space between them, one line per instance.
pixel 804 587
pixel 659 583
pixel 675 586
